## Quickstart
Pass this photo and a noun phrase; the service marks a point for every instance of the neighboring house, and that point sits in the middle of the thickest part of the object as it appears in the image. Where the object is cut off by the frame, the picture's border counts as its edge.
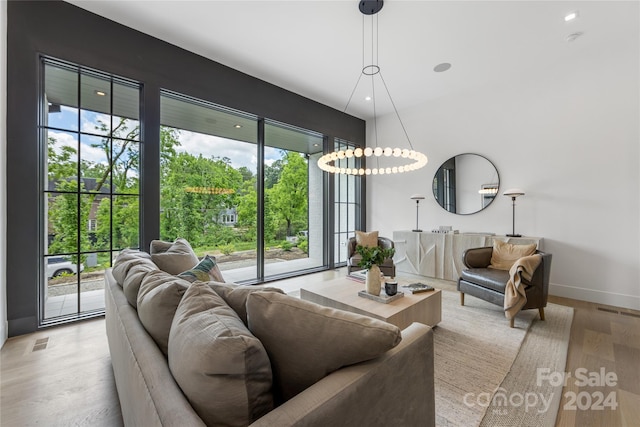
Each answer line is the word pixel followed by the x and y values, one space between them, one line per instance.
pixel 228 217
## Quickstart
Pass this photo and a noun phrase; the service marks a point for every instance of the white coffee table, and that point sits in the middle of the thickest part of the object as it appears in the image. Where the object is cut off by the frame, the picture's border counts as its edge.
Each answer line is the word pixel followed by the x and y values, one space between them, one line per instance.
pixel 342 293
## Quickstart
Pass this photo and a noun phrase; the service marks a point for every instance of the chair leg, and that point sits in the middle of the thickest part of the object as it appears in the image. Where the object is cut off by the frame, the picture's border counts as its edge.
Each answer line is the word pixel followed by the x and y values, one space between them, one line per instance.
pixel 461 298
pixel 511 322
pixel 541 311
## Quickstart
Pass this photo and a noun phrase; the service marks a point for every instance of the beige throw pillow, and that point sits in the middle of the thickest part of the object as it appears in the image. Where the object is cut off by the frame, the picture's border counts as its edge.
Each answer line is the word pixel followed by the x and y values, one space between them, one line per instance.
pixel 306 341
pixel 223 370
pixel 369 239
pixel 236 296
pixel 158 298
pixel 504 254
pixel 174 258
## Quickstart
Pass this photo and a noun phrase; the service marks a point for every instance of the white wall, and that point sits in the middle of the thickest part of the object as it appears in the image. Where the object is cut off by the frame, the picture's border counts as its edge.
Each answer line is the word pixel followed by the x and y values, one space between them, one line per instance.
pixel 570 139
pixel 3 173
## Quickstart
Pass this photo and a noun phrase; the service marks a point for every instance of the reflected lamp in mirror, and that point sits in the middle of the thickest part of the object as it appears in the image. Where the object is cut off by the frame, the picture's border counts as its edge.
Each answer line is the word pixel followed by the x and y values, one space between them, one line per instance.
pixel 466 184
pixel 417 198
pixel 513 193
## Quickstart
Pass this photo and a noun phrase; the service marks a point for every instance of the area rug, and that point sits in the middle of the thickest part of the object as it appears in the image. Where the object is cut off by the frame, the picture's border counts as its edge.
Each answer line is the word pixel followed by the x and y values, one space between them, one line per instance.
pixel 478 356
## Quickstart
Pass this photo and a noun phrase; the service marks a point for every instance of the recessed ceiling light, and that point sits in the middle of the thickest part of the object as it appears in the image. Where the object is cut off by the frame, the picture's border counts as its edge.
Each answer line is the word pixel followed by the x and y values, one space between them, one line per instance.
pixel 367 98
pixel 237 126
pixel 571 16
pixel 316 145
pixel 100 93
pixel 442 67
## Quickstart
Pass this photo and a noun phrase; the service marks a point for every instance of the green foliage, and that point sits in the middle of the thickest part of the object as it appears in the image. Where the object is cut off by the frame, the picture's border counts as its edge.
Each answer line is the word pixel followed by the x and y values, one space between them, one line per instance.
pixel 304 245
pixel 287 199
pixel 227 249
pixel 286 246
pixel 122 170
pixel 373 255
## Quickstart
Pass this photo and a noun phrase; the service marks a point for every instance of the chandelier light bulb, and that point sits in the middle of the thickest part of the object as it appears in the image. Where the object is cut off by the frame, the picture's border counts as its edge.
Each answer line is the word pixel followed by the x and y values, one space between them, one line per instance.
pixel 357 152
pixel 348 154
pixel 377 152
pixel 388 151
pixel 367 171
pixel 368 151
pixel 397 152
pixel 341 154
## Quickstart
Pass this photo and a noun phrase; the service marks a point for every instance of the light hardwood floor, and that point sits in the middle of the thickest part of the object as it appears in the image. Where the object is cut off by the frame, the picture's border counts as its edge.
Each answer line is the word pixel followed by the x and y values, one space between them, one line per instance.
pixel 62 376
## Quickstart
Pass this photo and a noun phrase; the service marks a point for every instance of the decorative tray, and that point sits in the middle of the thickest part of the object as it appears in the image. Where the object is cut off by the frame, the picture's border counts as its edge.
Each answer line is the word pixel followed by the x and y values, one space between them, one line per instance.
pixel 383 298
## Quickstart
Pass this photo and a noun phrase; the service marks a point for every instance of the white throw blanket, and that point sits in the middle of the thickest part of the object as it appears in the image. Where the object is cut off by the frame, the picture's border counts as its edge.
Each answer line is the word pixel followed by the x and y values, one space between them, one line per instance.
pixel 515 296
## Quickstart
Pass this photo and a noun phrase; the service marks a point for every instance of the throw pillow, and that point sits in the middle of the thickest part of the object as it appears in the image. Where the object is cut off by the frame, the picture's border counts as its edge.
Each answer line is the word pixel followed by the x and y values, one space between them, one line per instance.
pixel 306 341
pixel 126 259
pixel 369 239
pixel 174 258
pixel 206 270
pixel 236 296
pixel 133 280
pixel 504 254
pixel 223 370
pixel 158 298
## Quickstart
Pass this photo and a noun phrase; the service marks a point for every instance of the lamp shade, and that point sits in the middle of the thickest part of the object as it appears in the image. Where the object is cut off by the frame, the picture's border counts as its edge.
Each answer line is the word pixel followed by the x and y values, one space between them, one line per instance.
pixel 417 197
pixel 513 192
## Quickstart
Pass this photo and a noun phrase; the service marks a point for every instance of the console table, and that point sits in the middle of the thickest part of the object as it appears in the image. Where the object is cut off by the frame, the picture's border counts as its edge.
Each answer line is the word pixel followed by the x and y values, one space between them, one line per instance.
pixel 439 255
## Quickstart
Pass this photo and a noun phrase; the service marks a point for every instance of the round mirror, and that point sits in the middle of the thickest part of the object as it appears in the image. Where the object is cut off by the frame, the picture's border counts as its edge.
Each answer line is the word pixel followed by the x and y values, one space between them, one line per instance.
pixel 466 184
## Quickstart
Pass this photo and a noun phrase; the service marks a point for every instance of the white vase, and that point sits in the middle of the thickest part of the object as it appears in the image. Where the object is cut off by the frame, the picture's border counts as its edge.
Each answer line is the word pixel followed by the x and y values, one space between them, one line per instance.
pixel 373 282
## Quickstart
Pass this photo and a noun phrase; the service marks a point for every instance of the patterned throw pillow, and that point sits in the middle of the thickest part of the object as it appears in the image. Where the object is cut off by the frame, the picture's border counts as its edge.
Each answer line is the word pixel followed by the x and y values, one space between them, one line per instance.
pixel 205 271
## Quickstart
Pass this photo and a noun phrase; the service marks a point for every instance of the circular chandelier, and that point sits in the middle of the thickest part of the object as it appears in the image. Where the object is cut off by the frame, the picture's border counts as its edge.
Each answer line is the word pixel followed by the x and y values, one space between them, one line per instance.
pixel 416 160
pixel 410 159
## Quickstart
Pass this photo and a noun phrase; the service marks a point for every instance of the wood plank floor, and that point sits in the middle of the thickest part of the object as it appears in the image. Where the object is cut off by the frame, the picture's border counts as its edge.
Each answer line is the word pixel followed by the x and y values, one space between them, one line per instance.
pixel 62 376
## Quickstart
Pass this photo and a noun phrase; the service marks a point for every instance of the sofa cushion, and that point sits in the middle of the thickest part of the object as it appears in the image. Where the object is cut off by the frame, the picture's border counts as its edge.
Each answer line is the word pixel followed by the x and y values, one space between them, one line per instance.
pixel 306 341
pixel 223 370
pixel 174 258
pixel 206 270
pixel 236 296
pixel 158 298
pixel 369 239
pixel 126 259
pixel 504 254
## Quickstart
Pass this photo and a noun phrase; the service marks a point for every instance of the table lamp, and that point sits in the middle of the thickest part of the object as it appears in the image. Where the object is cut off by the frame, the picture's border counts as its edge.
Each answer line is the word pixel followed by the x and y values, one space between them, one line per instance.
pixel 417 198
pixel 513 193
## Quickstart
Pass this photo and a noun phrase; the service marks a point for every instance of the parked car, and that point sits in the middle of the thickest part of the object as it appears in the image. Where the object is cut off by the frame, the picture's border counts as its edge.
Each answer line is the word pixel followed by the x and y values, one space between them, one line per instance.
pixel 57 266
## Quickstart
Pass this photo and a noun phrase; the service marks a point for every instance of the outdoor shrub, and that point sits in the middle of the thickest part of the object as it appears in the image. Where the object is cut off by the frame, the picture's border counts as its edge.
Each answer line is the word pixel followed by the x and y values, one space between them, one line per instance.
pixel 286 246
pixel 304 245
pixel 227 249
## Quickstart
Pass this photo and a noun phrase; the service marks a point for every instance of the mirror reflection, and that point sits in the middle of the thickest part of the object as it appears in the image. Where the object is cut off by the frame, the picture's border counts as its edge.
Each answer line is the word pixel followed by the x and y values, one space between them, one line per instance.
pixel 466 184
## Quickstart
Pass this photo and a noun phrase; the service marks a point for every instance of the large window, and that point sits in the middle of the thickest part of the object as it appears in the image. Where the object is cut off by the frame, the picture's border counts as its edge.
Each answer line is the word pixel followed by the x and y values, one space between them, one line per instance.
pixel 257 207
pixel 347 203
pixel 90 135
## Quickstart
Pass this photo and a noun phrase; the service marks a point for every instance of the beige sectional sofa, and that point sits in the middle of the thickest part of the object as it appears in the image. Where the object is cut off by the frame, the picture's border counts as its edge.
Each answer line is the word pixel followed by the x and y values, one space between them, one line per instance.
pixel 155 368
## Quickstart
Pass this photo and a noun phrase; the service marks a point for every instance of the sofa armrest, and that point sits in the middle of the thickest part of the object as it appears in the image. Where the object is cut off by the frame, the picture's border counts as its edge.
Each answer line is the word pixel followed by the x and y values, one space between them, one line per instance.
pixel 396 388
pixel 477 257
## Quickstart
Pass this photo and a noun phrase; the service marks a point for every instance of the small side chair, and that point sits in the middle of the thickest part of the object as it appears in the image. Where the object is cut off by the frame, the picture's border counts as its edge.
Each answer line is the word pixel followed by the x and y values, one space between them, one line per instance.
pixel 489 284
pixel 387 268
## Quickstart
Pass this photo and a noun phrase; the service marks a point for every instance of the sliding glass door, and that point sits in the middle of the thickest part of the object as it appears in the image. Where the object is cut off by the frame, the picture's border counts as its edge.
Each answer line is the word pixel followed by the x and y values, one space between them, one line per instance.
pixel 293 202
pixel 256 206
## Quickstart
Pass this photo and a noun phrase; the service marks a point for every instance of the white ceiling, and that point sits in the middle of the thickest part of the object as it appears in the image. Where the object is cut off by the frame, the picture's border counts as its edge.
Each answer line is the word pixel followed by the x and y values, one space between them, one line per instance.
pixel 314 48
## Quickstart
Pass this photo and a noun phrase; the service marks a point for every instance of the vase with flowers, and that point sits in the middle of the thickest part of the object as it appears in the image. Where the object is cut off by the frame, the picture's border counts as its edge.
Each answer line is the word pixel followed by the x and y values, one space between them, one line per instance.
pixel 372 257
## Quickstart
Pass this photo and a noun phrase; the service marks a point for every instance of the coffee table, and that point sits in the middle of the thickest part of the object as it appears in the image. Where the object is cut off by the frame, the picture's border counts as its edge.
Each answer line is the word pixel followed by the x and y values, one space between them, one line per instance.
pixel 342 293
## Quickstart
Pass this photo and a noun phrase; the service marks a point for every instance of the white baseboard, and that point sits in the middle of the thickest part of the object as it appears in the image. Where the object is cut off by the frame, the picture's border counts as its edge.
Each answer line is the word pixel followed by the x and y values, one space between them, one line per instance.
pixel 596 296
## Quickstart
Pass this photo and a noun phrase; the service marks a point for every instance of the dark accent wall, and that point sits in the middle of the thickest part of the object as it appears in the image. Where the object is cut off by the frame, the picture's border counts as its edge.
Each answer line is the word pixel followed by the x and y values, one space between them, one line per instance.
pixel 64 31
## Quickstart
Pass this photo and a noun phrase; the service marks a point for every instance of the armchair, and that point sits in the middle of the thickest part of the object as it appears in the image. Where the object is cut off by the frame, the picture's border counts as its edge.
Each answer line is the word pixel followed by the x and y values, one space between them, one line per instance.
pixel 489 283
pixel 387 268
